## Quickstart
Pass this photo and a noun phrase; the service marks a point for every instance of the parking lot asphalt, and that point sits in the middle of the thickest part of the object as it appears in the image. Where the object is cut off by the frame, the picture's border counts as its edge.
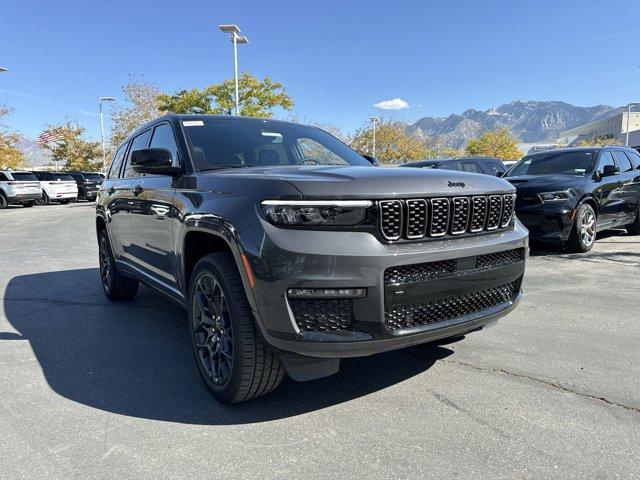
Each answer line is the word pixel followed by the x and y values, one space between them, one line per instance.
pixel 93 389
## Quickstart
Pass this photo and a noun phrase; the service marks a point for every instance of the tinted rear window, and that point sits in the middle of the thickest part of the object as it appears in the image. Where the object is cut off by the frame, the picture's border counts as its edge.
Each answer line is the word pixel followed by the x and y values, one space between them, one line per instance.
pixel 62 176
pixel 94 177
pixel 24 177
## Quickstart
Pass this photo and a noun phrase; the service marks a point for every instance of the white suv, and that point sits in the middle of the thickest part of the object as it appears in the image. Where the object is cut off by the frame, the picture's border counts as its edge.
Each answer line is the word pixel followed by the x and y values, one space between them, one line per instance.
pixel 57 186
pixel 19 187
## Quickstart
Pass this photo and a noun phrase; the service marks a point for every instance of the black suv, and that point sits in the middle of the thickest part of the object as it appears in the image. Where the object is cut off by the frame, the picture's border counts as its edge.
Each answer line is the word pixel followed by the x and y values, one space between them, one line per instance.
pixel 290 250
pixel 568 195
pixel 88 184
pixel 485 165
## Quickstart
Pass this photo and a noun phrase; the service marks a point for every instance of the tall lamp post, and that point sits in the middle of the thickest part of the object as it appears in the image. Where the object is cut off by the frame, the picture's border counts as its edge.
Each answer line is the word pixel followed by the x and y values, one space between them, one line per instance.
pixel 234 35
pixel 628 116
pixel 374 120
pixel 104 148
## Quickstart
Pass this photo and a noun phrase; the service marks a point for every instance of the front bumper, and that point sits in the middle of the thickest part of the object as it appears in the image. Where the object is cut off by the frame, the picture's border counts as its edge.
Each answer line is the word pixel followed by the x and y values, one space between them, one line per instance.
pixel 285 259
pixel 550 222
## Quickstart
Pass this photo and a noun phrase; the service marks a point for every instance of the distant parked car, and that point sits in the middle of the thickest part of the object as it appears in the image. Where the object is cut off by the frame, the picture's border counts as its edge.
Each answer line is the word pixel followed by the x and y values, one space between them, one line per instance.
pixel 88 184
pixel 485 165
pixel 19 188
pixel 568 195
pixel 57 186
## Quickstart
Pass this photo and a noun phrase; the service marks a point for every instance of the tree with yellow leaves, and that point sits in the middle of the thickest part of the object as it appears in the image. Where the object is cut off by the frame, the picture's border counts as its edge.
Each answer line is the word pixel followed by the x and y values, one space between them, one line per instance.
pixel 500 143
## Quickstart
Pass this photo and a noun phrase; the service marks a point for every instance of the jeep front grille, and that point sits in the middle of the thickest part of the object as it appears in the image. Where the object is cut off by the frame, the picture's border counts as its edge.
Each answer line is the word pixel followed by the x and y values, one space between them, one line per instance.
pixel 398 317
pixel 439 217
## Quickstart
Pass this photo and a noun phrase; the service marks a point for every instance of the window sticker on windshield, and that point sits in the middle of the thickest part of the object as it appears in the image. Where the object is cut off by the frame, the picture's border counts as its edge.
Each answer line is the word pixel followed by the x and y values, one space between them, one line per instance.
pixel 192 123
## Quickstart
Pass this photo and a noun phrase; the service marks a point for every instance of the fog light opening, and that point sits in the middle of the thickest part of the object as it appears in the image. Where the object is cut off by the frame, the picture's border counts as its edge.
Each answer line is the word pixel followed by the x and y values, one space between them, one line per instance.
pixel 327 292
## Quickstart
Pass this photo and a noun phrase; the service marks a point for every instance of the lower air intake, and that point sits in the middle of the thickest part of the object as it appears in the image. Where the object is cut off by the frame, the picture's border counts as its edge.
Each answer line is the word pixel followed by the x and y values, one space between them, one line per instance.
pixel 322 314
pixel 406 316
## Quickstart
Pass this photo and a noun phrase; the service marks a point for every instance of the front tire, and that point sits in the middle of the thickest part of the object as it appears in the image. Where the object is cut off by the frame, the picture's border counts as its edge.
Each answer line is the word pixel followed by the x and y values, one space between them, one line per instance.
pixel 28 204
pixel 115 286
pixel 232 359
pixel 45 200
pixel 583 233
pixel 3 202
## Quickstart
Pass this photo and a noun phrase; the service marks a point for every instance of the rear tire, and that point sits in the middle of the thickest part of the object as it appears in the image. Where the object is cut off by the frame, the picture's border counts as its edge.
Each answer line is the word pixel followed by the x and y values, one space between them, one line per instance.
pixel 634 228
pixel 3 201
pixel 232 359
pixel 115 286
pixel 28 204
pixel 583 233
pixel 64 201
pixel 45 200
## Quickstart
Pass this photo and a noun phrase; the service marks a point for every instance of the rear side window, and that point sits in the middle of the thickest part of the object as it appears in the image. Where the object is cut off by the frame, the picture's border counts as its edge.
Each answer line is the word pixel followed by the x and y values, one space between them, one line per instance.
pixel 24 177
pixel 114 170
pixel 623 162
pixel 3 177
pixel 163 138
pixel 138 143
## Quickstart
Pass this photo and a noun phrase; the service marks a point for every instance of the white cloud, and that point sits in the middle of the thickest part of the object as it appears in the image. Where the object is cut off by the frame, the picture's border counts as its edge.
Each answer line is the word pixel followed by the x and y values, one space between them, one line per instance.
pixel 395 104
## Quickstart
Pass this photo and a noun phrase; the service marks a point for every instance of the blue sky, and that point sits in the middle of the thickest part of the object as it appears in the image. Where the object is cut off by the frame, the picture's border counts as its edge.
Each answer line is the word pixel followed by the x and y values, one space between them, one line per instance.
pixel 337 59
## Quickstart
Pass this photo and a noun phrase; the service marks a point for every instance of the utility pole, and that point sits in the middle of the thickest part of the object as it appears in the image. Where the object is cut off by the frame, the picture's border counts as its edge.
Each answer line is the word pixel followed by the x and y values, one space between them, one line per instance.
pixel 374 120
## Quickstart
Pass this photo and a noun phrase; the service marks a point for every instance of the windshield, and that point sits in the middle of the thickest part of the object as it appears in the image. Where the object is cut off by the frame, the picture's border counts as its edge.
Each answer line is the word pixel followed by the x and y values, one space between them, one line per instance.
pixel 229 142
pixel 24 177
pixel 570 163
pixel 63 177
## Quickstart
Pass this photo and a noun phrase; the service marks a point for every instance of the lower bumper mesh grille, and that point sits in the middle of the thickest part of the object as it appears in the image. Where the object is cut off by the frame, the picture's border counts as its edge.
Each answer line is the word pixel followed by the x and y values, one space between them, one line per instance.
pixel 322 315
pixel 406 316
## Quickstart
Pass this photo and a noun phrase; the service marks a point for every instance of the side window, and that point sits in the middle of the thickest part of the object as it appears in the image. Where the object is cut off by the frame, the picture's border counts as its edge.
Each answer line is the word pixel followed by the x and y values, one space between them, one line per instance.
pixel 163 138
pixel 472 167
pixel 449 166
pixel 139 142
pixel 634 157
pixel 493 168
pixel 605 159
pixel 623 162
pixel 114 170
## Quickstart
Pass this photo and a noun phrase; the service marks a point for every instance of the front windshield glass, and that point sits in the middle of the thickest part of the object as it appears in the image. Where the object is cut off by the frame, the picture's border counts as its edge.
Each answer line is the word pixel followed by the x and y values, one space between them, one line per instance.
pixel 569 163
pixel 234 142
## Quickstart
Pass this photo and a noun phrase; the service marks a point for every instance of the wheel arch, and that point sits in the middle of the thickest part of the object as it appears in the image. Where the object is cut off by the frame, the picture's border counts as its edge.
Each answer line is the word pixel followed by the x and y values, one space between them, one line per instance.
pixel 590 200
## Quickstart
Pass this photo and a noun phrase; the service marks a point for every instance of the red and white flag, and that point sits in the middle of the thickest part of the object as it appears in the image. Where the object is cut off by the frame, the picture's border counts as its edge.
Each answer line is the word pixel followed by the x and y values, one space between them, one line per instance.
pixel 49 136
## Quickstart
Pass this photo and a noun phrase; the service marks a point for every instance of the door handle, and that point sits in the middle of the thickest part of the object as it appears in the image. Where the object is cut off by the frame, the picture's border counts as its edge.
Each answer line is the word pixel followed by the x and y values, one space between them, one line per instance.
pixel 137 190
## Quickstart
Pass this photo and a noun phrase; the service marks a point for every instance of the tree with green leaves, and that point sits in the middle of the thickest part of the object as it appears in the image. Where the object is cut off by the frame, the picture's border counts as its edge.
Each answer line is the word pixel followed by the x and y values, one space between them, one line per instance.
pixel 393 142
pixel 10 156
pixel 68 145
pixel 258 98
pixel 141 106
pixel 499 143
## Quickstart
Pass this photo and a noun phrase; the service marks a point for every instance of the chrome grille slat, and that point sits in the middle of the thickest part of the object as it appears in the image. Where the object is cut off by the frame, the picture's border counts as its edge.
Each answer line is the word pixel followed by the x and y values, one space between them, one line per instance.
pixel 416 222
pixel 460 215
pixel 419 218
pixel 439 220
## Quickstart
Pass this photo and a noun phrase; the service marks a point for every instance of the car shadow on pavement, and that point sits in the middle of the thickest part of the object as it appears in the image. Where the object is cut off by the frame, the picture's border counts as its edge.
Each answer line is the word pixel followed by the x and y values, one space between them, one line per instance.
pixel 539 249
pixel 135 358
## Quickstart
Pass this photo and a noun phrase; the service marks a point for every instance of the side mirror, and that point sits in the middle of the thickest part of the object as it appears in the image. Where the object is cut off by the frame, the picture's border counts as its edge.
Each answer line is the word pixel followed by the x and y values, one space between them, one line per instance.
pixel 610 170
pixel 153 160
pixel 373 160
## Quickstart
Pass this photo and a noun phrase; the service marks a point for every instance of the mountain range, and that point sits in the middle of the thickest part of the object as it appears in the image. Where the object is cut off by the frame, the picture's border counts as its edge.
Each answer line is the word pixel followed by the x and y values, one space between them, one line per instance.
pixel 532 121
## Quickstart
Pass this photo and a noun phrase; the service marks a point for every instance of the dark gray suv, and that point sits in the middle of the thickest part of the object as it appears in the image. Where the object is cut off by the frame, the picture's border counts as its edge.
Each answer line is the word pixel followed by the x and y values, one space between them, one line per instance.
pixel 290 250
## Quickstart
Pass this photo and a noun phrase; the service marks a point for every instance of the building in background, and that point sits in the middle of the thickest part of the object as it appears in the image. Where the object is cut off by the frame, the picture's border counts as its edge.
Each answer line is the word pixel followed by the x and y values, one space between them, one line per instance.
pixel 614 126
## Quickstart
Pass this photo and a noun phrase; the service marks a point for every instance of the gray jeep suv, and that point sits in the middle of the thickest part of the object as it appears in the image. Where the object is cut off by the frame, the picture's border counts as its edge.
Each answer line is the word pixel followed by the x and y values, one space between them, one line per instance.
pixel 291 251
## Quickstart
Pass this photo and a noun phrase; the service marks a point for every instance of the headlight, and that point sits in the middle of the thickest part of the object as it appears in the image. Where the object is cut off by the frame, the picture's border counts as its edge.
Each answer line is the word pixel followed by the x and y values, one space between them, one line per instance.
pixel 315 212
pixel 554 196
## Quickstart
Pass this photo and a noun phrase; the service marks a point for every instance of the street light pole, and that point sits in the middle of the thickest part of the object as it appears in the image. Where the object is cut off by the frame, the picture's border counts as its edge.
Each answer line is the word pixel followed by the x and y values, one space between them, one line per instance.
pixel 104 148
pixel 236 39
pixel 628 115
pixel 374 120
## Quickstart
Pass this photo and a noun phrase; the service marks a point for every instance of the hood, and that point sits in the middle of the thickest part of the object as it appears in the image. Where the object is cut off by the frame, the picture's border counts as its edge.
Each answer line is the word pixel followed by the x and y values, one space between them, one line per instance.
pixel 374 182
pixel 546 183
